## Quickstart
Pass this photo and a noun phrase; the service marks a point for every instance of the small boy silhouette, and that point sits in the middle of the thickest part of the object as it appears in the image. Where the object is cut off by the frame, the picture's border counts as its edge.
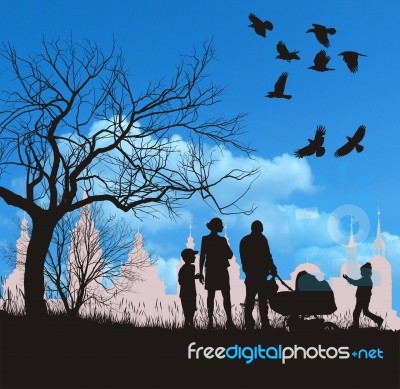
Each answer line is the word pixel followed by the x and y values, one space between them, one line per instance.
pixel 363 296
pixel 186 279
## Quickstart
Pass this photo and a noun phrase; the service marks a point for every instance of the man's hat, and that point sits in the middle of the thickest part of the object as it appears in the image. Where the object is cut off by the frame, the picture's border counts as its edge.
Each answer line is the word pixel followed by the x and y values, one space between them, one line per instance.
pixel 187 252
pixel 366 266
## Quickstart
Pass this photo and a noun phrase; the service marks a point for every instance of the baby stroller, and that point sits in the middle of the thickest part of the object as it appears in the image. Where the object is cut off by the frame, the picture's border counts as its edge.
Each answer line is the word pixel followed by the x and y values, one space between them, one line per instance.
pixel 301 306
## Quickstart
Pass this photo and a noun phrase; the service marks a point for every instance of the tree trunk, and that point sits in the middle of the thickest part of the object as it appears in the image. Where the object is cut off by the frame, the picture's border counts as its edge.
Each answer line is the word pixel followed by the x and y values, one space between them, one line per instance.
pixel 42 231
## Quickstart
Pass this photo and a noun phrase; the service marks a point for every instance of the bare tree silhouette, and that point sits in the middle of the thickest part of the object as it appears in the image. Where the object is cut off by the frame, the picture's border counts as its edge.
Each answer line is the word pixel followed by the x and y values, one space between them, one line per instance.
pixel 321 33
pixel 83 265
pixel 279 89
pixel 284 53
pixel 351 59
pixel 259 26
pixel 320 62
pixel 353 143
pixel 71 121
pixel 314 146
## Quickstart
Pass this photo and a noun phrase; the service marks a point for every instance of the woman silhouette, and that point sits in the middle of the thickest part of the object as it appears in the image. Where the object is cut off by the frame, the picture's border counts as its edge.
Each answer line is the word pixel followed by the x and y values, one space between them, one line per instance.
pixel 214 255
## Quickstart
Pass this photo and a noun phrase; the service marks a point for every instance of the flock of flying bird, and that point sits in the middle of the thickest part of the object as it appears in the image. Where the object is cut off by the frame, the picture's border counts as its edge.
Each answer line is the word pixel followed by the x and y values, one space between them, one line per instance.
pixel 321 60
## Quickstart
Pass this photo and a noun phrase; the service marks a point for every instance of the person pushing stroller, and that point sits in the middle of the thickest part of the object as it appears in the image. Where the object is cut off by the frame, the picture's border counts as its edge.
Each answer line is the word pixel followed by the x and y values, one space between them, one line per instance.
pixel 257 264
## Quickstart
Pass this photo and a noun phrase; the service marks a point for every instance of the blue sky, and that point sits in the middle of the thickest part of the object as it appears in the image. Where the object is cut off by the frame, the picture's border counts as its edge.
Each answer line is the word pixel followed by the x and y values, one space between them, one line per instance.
pixel 153 34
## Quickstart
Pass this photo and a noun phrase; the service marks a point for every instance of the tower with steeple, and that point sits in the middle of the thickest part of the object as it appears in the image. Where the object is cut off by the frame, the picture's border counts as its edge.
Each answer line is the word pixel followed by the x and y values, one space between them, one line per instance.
pixel 381 300
pixel 13 286
pixel 146 286
pixel 85 254
pixel 378 246
pixel 351 267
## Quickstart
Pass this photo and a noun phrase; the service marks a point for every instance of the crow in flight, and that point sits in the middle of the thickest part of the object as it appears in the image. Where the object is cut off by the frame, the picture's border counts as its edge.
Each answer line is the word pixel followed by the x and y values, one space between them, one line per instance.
pixel 353 143
pixel 280 87
pixel 314 146
pixel 321 33
pixel 320 62
pixel 284 53
pixel 259 26
pixel 351 59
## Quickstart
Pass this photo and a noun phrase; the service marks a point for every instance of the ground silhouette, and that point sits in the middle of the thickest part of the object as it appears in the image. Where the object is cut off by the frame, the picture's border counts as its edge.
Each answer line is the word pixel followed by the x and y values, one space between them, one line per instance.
pixel 73 353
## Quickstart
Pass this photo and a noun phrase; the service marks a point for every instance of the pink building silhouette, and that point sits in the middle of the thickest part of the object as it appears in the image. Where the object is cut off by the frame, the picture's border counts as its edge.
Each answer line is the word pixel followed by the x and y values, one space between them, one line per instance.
pixel 13 286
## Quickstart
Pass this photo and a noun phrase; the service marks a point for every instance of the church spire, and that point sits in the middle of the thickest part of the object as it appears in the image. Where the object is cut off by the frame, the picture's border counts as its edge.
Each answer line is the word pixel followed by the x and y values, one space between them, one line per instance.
pixel 351 247
pixel 379 244
pixel 190 240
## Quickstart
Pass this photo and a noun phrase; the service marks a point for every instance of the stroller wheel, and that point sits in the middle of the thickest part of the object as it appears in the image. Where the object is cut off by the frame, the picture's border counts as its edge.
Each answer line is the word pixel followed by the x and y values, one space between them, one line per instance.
pixel 330 326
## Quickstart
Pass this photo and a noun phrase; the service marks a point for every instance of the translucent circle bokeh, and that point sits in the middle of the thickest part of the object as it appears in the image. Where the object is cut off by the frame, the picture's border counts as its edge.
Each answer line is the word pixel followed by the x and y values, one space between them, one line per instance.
pixel 359 219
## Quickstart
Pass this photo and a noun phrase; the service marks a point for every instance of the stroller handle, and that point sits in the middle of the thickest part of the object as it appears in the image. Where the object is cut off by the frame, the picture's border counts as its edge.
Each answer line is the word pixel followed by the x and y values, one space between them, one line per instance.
pixel 284 283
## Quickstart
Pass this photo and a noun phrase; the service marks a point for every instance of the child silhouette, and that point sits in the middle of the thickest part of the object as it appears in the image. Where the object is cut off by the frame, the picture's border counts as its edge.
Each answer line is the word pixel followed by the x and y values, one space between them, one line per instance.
pixel 363 296
pixel 186 279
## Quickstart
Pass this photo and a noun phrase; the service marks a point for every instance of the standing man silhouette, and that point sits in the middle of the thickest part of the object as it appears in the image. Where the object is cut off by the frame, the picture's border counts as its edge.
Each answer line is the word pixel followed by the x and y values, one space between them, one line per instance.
pixel 257 264
pixel 214 255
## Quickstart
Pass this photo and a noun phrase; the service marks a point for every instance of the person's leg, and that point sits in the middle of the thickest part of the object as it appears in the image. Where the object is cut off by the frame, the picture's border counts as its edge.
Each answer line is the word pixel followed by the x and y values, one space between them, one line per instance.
pixel 377 319
pixel 226 295
pixel 263 304
pixel 210 306
pixel 356 313
pixel 251 292
pixel 189 317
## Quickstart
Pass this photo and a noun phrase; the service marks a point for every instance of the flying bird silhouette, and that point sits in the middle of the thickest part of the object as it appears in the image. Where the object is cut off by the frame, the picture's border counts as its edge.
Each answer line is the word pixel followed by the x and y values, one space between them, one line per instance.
pixel 284 53
pixel 351 59
pixel 320 62
pixel 259 26
pixel 314 146
pixel 321 33
pixel 280 87
pixel 353 143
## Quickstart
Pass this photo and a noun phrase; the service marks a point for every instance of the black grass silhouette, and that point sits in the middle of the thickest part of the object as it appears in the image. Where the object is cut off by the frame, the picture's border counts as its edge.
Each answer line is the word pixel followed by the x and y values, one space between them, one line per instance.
pixel 280 87
pixel 321 33
pixel 351 59
pixel 353 143
pixel 320 62
pixel 284 53
pixel 259 26
pixel 314 146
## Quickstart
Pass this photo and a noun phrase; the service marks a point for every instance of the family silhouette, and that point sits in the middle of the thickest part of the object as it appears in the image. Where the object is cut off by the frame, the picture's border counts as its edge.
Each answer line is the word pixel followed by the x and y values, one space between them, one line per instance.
pixel 260 273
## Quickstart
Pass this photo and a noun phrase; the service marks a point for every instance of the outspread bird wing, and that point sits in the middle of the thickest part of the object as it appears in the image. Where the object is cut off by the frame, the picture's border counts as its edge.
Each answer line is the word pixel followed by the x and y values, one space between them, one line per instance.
pixel 319 136
pixel 254 19
pixel 351 60
pixel 282 49
pixel 259 26
pixel 321 59
pixel 321 34
pixel 305 151
pixel 280 84
pixel 344 150
pixel 359 134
